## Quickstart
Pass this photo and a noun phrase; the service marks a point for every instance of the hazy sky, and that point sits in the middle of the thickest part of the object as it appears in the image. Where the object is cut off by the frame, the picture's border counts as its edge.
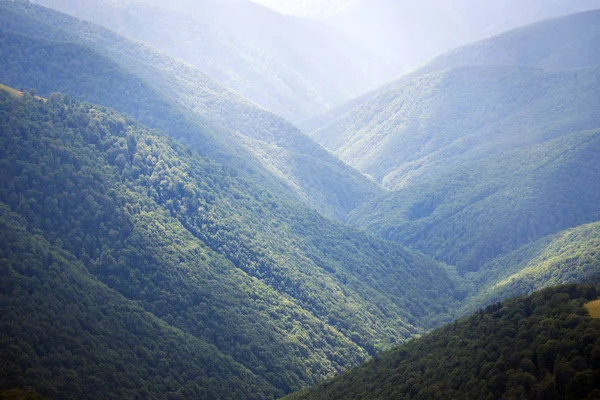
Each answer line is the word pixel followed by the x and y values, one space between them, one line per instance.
pixel 307 8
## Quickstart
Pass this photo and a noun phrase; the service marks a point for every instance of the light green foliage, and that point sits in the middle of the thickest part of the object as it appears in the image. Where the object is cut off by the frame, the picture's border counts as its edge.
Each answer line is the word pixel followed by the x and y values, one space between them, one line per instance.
pixel 544 346
pixel 567 257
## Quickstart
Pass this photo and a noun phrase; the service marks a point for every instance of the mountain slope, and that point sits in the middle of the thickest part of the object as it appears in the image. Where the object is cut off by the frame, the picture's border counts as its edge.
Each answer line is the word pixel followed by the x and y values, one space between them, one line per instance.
pixel 294 67
pixel 487 207
pixel 455 115
pixel 66 334
pixel 288 294
pixel 178 99
pixel 564 43
pixel 568 257
pixel 541 346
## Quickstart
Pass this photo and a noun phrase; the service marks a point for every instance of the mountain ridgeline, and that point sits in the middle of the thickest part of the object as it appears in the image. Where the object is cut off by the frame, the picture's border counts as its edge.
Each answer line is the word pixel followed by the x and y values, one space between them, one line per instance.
pixel 98 66
pixel 294 67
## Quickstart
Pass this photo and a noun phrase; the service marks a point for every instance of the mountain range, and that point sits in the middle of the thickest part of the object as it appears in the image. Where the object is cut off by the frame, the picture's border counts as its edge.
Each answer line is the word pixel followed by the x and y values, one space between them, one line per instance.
pixel 183 102
pixel 294 67
pixel 483 155
pixel 413 33
pixel 524 348
pixel 163 236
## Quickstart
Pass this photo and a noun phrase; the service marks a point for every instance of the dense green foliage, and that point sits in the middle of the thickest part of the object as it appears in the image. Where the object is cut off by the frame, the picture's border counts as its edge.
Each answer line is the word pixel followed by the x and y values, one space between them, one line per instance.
pixel 178 99
pixel 454 116
pixel 69 336
pixel 568 257
pixel 220 283
pixel 287 293
pixel 544 346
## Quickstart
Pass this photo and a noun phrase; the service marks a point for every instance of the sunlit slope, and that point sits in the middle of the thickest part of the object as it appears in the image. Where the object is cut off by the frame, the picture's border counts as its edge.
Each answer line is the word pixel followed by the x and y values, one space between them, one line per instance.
pixel 67 335
pixel 542 346
pixel 568 257
pixel 290 295
pixel 449 117
pixel 483 208
pixel 569 42
pixel 178 99
pixel 294 67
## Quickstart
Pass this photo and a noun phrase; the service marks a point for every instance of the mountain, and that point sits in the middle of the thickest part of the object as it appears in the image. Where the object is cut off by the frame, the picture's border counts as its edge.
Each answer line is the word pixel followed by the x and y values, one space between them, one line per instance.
pixel 67 334
pixel 568 257
pixel 101 67
pixel 289 295
pixel 484 158
pixel 294 67
pixel 413 33
pixel 486 208
pixel 544 346
pixel 459 114
pixel 565 43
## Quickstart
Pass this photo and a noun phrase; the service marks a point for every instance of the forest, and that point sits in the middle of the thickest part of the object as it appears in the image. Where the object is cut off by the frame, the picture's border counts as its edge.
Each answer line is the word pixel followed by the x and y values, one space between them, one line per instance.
pixel 164 237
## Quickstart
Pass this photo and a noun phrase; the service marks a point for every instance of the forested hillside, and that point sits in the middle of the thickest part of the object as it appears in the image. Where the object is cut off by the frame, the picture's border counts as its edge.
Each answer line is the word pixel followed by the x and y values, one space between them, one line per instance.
pixel 288 294
pixel 570 256
pixel 491 207
pixel 484 158
pixel 162 236
pixel 177 99
pixel 67 335
pixel 294 67
pixel 544 346
pixel 446 118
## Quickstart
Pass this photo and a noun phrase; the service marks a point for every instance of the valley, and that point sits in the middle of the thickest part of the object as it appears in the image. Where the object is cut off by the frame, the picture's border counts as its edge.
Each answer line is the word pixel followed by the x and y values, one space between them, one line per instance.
pixel 216 200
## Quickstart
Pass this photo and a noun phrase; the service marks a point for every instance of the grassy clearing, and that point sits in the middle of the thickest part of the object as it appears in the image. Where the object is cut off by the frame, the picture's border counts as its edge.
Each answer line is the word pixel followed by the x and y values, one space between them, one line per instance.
pixel 594 308
pixel 10 90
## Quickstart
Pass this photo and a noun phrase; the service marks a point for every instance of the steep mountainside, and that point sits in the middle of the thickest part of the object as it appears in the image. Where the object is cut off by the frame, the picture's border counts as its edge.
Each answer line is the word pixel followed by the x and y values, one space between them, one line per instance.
pixel 544 346
pixel 565 43
pixel 483 159
pixel 178 99
pixel 67 335
pixel 288 294
pixel 295 67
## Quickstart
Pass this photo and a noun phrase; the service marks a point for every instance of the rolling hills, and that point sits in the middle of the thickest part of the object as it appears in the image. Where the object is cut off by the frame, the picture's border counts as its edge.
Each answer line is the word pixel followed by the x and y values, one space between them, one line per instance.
pixel 564 43
pixel 570 256
pixel 163 237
